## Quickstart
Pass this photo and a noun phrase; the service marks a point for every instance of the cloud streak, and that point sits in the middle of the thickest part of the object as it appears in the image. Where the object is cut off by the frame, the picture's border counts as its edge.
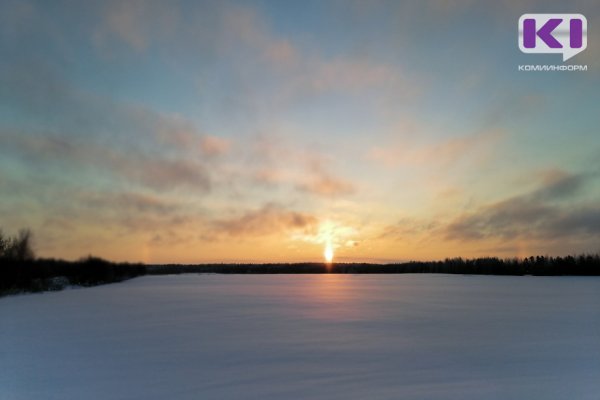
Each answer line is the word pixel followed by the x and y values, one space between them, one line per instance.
pixel 270 219
pixel 149 170
pixel 536 215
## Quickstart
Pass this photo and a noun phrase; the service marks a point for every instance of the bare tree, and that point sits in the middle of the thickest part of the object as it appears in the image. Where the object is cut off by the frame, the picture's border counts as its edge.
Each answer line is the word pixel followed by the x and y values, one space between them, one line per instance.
pixel 18 248
pixel 4 241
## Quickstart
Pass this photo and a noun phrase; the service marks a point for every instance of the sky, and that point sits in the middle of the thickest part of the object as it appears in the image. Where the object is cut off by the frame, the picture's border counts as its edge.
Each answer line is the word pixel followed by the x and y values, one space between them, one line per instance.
pixel 252 131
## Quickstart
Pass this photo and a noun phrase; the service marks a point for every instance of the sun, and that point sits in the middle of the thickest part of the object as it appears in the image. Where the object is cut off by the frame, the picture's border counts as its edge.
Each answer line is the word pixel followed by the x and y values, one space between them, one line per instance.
pixel 328 254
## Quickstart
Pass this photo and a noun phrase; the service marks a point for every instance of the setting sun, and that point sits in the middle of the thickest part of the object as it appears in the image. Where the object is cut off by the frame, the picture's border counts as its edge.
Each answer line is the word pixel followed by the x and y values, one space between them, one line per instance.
pixel 328 254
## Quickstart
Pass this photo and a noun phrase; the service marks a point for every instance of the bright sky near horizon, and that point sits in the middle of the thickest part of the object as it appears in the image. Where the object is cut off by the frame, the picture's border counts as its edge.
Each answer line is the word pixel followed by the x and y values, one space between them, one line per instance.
pixel 188 131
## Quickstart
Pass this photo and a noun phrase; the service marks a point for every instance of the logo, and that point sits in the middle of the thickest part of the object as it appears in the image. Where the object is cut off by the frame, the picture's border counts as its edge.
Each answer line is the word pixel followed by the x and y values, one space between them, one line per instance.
pixel 553 33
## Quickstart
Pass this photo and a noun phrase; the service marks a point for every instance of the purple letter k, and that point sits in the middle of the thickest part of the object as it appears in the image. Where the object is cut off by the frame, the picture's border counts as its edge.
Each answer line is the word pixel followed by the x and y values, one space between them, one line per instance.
pixel 545 33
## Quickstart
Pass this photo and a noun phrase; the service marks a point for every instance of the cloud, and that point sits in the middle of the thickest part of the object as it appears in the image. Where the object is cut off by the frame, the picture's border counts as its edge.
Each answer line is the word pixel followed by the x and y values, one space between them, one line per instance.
pixel 273 162
pixel 289 72
pixel 506 219
pixel 323 183
pixel 128 202
pixel 245 28
pixel 539 214
pixel 559 184
pixel 83 131
pixel 271 219
pixel 214 146
pixel 135 22
pixel 179 133
pixel 268 177
pixel 162 173
pixel 155 171
pixel 445 153
pixel 407 229
pixel 585 221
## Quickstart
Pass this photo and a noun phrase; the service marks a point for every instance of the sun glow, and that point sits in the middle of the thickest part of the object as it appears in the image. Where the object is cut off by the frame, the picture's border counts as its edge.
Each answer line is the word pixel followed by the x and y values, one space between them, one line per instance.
pixel 328 254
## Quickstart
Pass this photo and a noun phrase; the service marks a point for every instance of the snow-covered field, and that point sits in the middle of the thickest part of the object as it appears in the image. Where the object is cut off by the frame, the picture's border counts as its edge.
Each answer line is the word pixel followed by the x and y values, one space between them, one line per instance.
pixel 306 337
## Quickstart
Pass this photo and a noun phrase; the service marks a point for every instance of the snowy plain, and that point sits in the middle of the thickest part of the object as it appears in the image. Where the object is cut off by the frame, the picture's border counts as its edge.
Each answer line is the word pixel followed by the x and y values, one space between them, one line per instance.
pixel 306 337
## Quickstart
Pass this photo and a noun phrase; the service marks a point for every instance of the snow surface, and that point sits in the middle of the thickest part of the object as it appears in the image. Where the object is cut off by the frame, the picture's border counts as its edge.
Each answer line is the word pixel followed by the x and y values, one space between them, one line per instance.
pixel 306 337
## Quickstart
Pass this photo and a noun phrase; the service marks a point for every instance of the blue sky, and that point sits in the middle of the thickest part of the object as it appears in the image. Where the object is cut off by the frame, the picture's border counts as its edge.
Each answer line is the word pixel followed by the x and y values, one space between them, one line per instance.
pixel 201 131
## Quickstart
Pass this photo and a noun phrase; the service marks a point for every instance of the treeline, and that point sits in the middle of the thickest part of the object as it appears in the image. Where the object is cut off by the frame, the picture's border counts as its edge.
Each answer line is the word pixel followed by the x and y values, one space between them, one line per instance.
pixel 20 271
pixel 48 274
pixel 32 275
pixel 540 265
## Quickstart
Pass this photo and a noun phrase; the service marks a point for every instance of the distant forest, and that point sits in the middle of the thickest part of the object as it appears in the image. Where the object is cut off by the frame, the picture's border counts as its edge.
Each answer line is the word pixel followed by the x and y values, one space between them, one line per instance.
pixel 21 271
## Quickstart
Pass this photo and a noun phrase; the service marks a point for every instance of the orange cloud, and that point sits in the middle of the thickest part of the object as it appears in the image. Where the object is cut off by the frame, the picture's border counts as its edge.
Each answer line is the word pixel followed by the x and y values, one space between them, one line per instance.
pixel 274 162
pixel 271 219
pixel 327 185
pixel 214 146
